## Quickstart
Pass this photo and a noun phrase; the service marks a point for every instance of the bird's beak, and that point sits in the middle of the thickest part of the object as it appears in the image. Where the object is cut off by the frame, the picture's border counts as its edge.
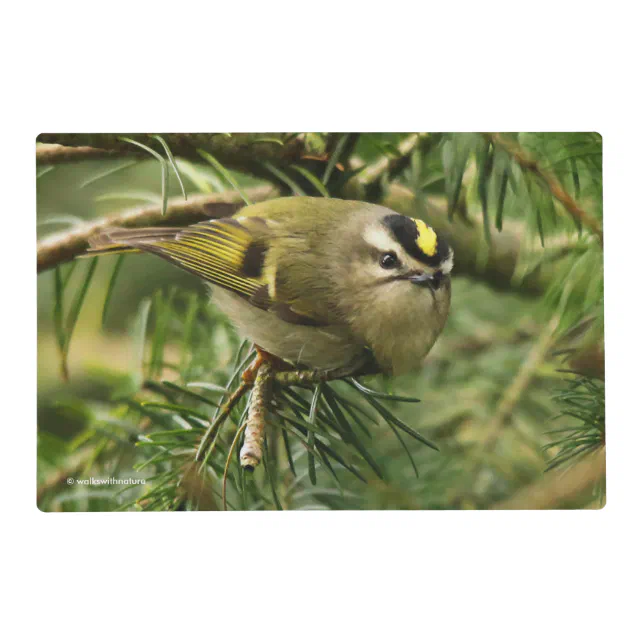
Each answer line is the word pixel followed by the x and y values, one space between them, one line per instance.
pixel 428 280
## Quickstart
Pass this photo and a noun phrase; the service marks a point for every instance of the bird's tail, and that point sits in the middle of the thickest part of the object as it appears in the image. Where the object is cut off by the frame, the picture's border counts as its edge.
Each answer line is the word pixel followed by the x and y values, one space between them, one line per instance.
pixel 125 240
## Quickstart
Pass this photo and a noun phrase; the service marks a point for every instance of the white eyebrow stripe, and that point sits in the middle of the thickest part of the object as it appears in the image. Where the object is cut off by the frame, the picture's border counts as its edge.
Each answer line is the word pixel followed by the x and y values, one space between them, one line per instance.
pixel 448 264
pixel 378 237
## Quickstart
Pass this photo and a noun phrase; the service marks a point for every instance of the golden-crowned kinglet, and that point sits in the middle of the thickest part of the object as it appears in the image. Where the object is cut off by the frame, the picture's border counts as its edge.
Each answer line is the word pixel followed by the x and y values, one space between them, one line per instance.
pixel 320 283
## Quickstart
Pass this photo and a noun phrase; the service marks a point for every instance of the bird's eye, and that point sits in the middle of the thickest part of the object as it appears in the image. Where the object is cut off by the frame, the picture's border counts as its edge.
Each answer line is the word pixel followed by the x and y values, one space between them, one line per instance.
pixel 388 260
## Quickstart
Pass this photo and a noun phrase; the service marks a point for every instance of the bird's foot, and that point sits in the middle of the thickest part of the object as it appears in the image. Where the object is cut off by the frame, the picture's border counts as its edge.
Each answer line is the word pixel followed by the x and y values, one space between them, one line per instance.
pixel 249 375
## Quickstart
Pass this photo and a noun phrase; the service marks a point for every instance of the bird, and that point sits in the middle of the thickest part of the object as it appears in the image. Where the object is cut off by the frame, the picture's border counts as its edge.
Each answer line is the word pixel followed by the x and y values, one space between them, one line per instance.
pixel 329 285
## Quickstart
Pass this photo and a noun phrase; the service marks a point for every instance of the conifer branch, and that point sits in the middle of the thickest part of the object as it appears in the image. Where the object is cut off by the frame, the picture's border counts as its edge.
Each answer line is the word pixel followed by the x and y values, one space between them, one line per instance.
pixel 527 163
pixel 234 150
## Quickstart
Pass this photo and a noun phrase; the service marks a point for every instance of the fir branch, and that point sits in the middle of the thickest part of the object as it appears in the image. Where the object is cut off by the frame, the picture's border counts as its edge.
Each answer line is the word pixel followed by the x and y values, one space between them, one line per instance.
pixel 234 150
pixel 66 246
pixel 527 163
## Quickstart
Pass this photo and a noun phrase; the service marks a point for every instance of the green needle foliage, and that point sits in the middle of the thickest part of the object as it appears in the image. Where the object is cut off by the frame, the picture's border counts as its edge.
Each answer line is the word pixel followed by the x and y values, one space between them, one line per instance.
pixel 495 406
pixel 583 404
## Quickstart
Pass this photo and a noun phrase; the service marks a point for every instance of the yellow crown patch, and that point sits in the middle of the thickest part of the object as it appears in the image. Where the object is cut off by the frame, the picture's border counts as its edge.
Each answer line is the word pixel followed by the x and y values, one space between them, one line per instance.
pixel 426 239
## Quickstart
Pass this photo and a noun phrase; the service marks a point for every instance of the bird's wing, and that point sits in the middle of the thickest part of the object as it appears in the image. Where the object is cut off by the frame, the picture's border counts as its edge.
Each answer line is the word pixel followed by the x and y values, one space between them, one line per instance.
pixel 223 251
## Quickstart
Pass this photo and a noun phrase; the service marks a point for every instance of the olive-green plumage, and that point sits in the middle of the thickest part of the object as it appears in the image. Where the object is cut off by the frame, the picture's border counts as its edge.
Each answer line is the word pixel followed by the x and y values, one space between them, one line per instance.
pixel 322 283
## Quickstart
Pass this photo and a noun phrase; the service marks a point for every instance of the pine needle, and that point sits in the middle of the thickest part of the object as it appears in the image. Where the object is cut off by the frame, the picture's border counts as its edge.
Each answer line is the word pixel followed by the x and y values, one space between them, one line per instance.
pixel 222 170
pixel 173 163
pixel 164 170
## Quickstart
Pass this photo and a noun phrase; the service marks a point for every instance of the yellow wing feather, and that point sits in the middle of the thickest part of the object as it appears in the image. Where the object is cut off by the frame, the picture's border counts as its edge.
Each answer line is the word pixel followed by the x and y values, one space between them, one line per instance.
pixel 213 250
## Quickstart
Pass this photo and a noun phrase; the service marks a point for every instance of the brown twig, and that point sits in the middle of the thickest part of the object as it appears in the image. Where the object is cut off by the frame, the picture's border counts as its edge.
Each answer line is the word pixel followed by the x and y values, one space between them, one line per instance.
pixel 68 245
pixel 526 162
pixel 53 154
pixel 251 452
pixel 314 377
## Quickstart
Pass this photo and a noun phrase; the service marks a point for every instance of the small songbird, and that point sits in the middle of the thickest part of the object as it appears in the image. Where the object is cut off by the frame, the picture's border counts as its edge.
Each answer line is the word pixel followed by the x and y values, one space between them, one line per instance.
pixel 323 284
